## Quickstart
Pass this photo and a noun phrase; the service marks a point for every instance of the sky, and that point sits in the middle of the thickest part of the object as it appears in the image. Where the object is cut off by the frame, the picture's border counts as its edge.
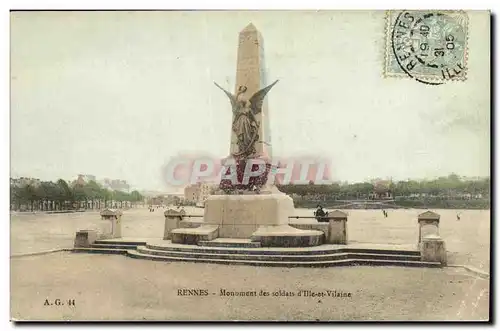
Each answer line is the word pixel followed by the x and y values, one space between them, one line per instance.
pixel 118 94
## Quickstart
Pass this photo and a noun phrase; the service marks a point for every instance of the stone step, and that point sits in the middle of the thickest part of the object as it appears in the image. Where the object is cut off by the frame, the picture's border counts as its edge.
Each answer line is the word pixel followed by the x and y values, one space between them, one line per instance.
pixel 221 242
pixel 112 245
pixel 289 264
pixel 288 258
pixel 277 251
pixel 120 242
pixel 100 250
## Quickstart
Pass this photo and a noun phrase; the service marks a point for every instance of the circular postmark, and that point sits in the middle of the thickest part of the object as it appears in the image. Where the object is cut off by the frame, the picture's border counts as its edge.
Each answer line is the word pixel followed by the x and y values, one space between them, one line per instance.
pixel 430 46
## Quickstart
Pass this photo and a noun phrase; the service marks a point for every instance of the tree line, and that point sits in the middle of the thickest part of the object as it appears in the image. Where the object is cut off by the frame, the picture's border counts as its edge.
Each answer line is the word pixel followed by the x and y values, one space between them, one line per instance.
pixel 50 196
pixel 452 186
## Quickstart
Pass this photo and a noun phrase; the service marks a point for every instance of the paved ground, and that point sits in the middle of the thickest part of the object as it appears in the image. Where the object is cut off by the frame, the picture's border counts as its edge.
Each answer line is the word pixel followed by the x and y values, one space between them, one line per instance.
pixel 107 287
pixel 467 240
pixel 121 288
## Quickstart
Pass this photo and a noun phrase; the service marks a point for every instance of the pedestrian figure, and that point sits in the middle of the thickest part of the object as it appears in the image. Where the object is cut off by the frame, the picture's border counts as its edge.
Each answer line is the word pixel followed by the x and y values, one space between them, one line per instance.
pixel 320 214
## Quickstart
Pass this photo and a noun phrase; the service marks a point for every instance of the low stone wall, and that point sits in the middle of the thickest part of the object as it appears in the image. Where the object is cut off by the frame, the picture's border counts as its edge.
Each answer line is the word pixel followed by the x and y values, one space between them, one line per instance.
pixel 335 231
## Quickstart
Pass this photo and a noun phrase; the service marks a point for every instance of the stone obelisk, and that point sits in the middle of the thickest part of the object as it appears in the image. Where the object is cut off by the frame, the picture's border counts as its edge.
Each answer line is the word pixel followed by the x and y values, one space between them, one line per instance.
pixel 251 73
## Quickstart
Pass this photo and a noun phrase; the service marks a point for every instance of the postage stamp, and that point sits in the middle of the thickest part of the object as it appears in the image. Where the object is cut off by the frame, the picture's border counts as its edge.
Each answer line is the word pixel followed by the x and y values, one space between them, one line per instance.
pixel 428 46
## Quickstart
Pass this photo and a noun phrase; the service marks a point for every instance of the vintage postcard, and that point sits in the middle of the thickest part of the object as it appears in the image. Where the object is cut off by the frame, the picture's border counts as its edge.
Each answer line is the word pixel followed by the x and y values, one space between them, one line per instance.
pixel 250 165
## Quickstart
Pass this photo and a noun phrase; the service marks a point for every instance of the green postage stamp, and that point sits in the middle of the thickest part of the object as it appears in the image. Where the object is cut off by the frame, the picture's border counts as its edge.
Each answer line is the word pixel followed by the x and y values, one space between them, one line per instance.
pixel 428 46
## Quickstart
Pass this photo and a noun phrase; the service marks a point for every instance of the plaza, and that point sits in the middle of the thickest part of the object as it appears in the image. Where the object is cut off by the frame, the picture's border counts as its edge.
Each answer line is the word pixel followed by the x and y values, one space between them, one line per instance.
pixel 149 289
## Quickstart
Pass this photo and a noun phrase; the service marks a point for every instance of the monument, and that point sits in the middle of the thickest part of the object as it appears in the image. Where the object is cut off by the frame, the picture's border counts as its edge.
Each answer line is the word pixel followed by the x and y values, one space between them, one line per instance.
pixel 251 208
pixel 249 221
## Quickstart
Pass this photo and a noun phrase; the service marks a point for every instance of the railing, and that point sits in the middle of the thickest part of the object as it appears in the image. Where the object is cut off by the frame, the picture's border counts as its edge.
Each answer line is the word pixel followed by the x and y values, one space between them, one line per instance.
pixel 296 217
pixel 322 217
pixel 184 216
pixel 195 216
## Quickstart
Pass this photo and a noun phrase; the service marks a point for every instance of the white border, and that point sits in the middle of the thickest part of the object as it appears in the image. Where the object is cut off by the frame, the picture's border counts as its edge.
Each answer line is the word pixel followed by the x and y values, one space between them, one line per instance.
pixel 249 4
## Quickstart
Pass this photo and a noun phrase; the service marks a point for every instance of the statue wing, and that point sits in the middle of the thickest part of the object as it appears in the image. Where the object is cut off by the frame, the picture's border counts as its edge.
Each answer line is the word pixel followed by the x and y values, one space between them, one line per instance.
pixel 257 100
pixel 231 97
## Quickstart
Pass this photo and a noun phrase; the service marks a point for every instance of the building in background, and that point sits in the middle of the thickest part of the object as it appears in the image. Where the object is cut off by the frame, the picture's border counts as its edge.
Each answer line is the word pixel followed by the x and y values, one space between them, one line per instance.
pixel 115 184
pixel 110 184
pixel 381 189
pixel 165 200
pixel 82 180
pixel 198 193
pixel 89 178
pixel 79 181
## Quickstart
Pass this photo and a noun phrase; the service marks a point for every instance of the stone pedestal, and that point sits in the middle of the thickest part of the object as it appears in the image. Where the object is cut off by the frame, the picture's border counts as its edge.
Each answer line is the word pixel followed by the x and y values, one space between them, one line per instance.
pixel 239 216
pixel 114 216
pixel 433 249
pixel 116 227
pixel 85 238
pixel 337 232
pixel 428 225
pixel 172 219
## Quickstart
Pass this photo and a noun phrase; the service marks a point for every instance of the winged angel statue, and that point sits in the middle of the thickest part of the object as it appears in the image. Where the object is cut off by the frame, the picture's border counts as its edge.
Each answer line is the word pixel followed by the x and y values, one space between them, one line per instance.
pixel 245 126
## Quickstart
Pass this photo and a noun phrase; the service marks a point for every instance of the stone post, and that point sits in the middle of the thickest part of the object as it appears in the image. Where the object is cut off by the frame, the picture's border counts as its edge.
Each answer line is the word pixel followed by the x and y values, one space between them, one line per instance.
pixel 85 238
pixel 428 224
pixel 337 233
pixel 116 226
pixel 433 249
pixel 432 246
pixel 172 219
pixel 115 216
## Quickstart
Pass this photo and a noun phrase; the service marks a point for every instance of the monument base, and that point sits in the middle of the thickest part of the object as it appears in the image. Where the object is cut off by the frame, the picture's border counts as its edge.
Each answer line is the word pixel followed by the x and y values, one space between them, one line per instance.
pixel 262 218
pixel 239 216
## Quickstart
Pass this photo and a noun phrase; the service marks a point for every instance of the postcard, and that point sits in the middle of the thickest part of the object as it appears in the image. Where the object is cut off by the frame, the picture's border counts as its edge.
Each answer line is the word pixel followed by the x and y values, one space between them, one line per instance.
pixel 250 165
